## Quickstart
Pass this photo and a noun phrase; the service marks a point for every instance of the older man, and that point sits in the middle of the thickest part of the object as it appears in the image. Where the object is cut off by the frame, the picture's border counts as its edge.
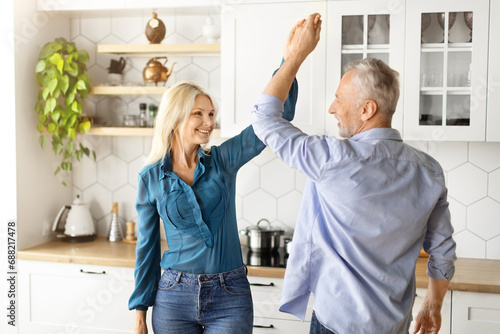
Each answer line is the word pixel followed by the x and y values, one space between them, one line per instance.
pixel 369 205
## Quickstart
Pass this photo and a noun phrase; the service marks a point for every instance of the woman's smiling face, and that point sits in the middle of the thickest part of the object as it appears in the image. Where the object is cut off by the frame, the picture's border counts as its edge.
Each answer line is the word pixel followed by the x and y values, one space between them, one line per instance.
pixel 200 123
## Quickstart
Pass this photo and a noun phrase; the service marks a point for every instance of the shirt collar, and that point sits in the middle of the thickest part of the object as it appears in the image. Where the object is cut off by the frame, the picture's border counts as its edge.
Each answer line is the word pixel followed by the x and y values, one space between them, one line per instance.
pixel 166 164
pixel 378 134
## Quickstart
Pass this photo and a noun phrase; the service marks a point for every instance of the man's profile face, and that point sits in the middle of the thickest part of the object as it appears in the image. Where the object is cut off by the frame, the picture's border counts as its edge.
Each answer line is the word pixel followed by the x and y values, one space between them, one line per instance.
pixel 345 107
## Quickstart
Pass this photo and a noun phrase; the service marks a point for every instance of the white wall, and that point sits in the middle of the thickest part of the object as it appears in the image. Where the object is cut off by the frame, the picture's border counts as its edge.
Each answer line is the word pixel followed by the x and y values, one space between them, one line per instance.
pixel 39 193
pixel 7 135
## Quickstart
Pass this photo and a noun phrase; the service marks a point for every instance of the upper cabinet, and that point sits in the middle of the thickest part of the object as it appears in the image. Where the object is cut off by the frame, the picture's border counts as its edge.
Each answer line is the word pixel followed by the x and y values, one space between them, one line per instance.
pixel 446 70
pixel 360 29
pixel 253 40
pixel 493 119
pixel 70 5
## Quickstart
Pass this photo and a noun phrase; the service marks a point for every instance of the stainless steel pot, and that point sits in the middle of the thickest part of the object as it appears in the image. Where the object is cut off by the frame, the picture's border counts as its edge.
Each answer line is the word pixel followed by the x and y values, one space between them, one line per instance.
pixel 263 238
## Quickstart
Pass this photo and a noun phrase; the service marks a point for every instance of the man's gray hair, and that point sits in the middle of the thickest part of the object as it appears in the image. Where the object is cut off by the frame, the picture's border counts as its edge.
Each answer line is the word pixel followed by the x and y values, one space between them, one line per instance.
pixel 375 80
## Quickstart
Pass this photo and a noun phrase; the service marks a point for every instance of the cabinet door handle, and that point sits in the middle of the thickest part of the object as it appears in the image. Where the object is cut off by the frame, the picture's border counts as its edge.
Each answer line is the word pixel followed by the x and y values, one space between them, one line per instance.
pixel 259 326
pixel 93 272
pixel 262 284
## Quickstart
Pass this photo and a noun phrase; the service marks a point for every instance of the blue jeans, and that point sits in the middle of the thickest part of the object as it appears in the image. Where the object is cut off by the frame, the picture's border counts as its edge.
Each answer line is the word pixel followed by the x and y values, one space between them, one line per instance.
pixel 210 304
pixel 317 327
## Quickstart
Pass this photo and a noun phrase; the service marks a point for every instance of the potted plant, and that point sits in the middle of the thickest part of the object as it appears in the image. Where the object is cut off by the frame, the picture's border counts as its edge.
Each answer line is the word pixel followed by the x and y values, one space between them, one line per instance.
pixel 60 71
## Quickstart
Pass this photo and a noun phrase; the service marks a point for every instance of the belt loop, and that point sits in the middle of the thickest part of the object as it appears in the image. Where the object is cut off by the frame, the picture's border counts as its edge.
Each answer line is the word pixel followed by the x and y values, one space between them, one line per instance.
pixel 221 277
pixel 178 278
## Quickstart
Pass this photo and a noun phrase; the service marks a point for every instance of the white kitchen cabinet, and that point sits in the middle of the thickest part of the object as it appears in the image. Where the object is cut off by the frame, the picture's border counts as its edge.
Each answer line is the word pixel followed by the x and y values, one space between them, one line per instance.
pixel 445 311
pixel 446 70
pixel 266 302
pixel 493 118
pixel 253 39
pixel 360 29
pixel 474 312
pixel 75 298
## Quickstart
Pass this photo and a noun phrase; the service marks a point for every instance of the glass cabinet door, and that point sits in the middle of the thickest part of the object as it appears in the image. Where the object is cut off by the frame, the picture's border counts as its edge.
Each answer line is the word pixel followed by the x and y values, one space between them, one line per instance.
pixel 360 29
pixel 446 63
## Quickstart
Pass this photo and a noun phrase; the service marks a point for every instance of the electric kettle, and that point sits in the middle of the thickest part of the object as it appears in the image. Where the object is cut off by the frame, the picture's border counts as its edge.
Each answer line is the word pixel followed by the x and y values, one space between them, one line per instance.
pixel 74 223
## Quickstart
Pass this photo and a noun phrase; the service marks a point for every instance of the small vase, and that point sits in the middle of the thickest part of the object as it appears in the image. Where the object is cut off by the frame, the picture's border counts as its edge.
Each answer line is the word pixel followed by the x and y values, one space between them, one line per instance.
pixel 155 30
pixel 210 31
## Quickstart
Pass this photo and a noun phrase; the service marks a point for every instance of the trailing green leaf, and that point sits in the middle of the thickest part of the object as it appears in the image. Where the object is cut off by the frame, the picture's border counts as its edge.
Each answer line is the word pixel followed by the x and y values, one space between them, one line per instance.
pixel 60 71
pixel 43 140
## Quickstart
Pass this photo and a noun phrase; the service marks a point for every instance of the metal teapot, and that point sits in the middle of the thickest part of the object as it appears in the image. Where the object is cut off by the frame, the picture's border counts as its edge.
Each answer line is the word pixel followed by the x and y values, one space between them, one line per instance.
pixel 156 71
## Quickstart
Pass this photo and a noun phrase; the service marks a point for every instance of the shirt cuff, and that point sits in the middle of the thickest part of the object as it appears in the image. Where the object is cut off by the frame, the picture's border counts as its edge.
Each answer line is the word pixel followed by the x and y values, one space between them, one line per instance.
pixel 269 105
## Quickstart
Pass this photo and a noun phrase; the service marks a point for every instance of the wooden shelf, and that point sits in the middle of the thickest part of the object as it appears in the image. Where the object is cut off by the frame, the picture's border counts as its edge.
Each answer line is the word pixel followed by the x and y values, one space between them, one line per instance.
pixel 159 48
pixel 125 131
pixel 119 131
pixel 128 90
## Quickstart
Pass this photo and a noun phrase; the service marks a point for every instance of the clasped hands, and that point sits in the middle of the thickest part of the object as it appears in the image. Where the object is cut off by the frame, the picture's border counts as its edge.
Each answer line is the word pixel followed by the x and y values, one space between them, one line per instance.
pixel 303 38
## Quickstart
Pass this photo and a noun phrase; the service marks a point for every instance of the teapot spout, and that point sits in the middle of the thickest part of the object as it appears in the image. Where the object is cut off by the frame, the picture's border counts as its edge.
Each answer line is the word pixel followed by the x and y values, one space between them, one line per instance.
pixel 170 70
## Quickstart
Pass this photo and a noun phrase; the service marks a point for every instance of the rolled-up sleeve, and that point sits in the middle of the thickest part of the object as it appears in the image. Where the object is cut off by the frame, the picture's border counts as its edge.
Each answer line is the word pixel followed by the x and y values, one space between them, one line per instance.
pixel 439 243
pixel 148 251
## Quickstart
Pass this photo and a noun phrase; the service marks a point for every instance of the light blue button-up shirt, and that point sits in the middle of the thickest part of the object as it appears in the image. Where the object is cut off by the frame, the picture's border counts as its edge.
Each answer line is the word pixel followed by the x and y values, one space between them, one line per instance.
pixel 369 204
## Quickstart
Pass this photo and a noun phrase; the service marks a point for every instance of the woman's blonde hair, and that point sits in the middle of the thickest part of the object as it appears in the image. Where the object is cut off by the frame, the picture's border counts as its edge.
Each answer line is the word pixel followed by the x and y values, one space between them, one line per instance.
pixel 175 107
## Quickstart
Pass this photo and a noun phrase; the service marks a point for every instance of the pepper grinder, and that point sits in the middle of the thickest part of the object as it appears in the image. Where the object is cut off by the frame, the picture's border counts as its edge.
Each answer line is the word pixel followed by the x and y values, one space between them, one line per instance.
pixel 143 116
pixel 115 232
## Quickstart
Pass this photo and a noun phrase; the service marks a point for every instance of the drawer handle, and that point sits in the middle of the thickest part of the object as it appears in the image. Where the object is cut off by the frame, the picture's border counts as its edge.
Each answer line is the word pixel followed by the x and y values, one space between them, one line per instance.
pixel 259 326
pixel 93 272
pixel 261 284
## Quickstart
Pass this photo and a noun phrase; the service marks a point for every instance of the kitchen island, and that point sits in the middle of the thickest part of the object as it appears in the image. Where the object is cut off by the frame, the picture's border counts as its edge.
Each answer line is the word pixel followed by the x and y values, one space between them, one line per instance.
pixel 473 275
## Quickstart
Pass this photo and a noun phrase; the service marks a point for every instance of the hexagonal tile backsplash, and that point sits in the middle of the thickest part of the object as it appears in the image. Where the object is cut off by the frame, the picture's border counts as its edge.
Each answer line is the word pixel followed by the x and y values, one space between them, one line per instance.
pixel 266 188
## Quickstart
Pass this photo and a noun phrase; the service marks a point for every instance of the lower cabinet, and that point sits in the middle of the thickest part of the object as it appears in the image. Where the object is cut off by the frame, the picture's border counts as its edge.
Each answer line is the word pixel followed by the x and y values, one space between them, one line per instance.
pixel 75 298
pixel 445 311
pixel 266 294
pixel 63 298
pixel 475 313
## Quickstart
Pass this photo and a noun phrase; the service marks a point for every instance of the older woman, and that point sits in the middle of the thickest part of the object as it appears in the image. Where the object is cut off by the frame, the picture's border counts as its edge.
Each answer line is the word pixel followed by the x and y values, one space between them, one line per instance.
pixel 203 288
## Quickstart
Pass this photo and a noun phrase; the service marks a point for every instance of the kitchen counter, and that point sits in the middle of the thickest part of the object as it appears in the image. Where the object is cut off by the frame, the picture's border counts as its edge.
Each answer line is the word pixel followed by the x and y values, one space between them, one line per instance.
pixel 474 275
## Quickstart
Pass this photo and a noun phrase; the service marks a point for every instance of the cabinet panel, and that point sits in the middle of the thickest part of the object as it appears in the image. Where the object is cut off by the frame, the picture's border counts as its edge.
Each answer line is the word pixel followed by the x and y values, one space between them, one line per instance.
pixel 253 38
pixel 475 313
pixel 360 29
pixel 266 294
pixel 493 119
pixel 72 297
pixel 446 70
pixel 280 326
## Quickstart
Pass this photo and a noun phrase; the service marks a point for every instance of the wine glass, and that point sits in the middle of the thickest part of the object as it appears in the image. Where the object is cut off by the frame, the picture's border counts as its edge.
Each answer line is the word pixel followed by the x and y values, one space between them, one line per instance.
pixel 468 23
pixel 451 22
pixel 346 26
pixel 371 23
pixel 425 22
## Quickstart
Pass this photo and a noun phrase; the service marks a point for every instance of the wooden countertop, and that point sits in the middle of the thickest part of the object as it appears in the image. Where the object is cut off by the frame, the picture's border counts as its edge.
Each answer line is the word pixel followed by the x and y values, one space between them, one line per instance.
pixel 475 275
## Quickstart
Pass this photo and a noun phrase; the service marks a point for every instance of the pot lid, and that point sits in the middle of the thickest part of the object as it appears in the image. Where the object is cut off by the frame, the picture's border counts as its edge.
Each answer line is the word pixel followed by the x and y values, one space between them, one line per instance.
pixel 266 226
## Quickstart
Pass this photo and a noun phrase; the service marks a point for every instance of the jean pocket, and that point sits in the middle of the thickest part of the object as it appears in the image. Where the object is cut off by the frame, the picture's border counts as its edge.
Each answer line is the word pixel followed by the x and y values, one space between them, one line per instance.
pixel 237 287
pixel 167 282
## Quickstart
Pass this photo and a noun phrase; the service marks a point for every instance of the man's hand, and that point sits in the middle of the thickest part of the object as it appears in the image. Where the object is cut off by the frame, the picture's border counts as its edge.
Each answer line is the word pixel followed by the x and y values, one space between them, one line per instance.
pixel 300 43
pixel 428 320
pixel 303 38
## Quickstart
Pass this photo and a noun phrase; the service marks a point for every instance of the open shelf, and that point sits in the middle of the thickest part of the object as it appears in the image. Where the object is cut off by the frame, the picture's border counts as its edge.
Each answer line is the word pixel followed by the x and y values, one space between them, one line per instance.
pixel 130 131
pixel 128 90
pixel 159 48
